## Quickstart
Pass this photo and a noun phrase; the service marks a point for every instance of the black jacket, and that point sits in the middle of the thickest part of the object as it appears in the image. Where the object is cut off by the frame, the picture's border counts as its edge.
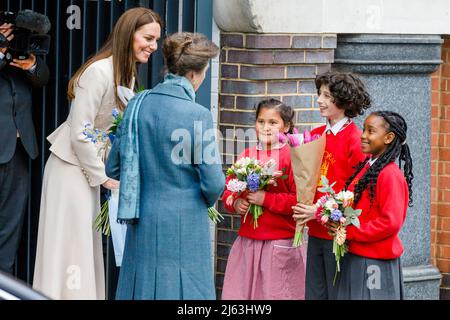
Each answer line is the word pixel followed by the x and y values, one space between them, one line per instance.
pixel 16 107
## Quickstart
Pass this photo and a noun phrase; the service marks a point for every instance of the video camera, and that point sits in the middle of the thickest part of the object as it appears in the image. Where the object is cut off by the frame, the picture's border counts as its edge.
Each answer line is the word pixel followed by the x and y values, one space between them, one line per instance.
pixel 30 34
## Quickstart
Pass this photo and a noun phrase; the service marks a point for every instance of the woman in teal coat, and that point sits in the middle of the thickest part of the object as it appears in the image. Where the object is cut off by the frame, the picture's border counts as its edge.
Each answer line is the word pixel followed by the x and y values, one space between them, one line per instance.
pixel 166 158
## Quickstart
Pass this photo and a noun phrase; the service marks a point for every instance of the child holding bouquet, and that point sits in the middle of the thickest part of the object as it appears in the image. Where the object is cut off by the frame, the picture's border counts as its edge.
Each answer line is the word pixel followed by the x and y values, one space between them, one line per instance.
pixel 262 263
pixel 342 96
pixel 372 269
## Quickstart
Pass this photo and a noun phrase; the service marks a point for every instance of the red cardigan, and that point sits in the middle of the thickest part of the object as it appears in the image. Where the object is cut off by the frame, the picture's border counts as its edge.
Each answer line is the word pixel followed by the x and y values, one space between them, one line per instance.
pixel 381 221
pixel 342 154
pixel 276 221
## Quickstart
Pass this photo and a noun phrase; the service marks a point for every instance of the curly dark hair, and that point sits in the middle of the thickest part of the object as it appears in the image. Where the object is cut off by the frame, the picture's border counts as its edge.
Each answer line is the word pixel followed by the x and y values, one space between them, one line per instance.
pixel 348 92
pixel 398 148
pixel 286 112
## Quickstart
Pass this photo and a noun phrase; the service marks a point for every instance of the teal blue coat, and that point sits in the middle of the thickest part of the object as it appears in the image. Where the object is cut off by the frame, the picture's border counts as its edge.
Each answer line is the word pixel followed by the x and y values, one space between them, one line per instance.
pixel 167 253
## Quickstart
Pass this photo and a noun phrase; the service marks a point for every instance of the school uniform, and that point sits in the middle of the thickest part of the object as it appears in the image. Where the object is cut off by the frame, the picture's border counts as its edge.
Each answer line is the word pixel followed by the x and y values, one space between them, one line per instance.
pixel 262 263
pixel 372 269
pixel 342 154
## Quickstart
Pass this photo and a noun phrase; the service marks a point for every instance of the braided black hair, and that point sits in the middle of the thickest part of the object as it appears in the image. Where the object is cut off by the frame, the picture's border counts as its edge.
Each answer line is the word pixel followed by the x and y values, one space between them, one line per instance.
pixel 398 148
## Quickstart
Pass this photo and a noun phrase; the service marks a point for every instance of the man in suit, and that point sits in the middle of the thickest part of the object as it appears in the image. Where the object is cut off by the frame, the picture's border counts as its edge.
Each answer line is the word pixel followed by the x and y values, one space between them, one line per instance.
pixel 17 143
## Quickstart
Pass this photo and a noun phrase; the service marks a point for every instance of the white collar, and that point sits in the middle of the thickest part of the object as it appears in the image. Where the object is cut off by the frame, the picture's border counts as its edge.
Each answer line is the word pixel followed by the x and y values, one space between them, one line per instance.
pixel 372 161
pixel 279 146
pixel 337 127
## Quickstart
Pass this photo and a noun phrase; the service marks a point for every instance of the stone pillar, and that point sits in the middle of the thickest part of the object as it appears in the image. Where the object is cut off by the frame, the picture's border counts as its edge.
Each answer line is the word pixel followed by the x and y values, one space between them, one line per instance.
pixel 397 71
pixel 255 67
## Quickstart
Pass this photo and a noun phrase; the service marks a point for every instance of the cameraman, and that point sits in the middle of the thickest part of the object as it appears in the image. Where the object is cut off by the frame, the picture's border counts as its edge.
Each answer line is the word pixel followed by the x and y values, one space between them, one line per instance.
pixel 17 143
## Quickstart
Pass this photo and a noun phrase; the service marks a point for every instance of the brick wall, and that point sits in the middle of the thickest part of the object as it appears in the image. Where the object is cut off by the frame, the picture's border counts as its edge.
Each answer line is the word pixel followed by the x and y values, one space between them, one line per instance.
pixel 255 67
pixel 440 170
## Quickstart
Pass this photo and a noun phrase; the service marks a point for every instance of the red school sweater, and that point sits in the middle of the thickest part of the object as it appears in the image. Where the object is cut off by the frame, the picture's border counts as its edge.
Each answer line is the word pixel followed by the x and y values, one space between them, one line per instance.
pixel 342 154
pixel 276 222
pixel 381 220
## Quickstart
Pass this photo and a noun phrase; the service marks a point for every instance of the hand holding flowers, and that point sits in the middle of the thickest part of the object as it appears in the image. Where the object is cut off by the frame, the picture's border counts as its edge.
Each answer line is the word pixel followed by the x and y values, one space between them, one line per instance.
pixel 336 213
pixel 249 177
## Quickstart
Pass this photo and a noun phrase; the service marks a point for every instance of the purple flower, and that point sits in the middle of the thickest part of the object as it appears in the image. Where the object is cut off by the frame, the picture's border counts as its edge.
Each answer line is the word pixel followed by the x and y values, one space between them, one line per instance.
pixel 336 215
pixel 115 113
pixel 253 182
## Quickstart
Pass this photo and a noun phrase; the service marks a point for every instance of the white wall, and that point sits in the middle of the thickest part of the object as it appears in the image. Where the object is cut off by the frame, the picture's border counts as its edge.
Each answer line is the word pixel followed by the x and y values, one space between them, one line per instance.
pixel 334 16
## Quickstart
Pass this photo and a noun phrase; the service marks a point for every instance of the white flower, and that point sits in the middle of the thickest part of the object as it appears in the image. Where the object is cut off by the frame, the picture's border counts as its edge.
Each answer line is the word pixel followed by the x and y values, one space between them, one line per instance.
pixel 345 196
pixel 330 205
pixel 269 168
pixel 234 185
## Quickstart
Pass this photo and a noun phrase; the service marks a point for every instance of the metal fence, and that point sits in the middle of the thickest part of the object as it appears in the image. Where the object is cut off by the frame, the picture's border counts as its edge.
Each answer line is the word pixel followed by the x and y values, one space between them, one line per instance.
pixel 79 28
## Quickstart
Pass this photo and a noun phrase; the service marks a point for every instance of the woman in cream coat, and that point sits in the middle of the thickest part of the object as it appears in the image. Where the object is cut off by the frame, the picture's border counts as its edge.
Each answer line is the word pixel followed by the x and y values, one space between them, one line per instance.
pixel 69 257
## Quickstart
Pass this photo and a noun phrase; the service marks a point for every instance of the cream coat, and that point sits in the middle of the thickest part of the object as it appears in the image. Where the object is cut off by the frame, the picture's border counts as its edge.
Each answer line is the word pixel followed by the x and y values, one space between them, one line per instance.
pixel 69 258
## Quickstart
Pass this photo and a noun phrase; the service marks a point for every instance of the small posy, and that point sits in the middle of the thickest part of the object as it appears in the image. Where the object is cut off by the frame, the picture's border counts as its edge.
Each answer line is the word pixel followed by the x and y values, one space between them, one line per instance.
pixel 337 209
pixel 251 175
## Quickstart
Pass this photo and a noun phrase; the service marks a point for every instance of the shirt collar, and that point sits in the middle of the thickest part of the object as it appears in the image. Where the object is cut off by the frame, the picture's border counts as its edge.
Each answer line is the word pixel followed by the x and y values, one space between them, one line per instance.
pixel 372 161
pixel 279 146
pixel 337 127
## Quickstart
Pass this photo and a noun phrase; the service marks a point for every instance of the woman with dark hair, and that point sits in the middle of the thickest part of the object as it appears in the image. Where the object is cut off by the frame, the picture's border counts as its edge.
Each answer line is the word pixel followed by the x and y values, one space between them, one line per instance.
pixel 69 257
pixel 166 157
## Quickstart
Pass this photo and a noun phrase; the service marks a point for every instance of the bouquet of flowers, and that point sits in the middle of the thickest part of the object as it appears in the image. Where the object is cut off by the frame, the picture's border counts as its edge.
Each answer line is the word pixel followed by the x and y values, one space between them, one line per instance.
pixel 251 175
pixel 337 208
pixel 306 158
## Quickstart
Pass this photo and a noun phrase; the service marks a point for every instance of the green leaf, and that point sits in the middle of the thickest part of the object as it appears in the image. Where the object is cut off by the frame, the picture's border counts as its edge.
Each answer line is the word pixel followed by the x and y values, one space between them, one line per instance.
pixel 355 222
pixel 284 177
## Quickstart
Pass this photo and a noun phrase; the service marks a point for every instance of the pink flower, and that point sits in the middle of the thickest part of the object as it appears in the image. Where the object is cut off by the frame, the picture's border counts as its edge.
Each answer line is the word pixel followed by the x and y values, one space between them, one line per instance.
pixel 335 206
pixel 294 140
pixel 307 136
pixel 324 219
pixel 342 220
pixel 271 181
pixel 282 138
pixel 230 200
pixel 323 200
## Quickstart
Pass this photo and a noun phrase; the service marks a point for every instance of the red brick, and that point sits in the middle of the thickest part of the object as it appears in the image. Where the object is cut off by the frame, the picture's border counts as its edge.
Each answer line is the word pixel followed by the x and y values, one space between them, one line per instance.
pixel 435 83
pixel 435 125
pixel 433 251
pixel 433 209
pixel 444 154
pixel 443 85
pixel 442 140
pixel 433 225
pixel 446 168
pixel 433 237
pixel 444 224
pixel 446 43
pixel 445 99
pixel 443 237
pixel 445 126
pixel 434 195
pixel 435 98
pixel 444 252
pixel 434 153
pixel 443 265
pixel 446 70
pixel 435 111
pixel 444 182
pixel 434 167
pixel 434 139
pixel 433 180
pixel 443 210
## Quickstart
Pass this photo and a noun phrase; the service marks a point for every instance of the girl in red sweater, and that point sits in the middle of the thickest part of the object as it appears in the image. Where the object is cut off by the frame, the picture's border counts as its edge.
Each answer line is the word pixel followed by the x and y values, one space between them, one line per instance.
pixel 372 269
pixel 262 263
pixel 342 96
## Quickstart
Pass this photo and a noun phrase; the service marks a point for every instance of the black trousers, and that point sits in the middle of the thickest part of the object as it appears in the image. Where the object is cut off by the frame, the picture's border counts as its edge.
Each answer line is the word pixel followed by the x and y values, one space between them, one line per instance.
pixel 320 270
pixel 14 185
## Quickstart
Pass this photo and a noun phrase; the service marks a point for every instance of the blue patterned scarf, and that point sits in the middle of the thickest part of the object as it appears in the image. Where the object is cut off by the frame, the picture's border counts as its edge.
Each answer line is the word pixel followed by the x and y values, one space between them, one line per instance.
pixel 129 197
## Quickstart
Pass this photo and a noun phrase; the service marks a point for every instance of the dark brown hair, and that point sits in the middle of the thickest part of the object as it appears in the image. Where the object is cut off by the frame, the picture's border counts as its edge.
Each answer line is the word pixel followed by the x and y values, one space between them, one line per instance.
pixel 120 45
pixel 286 112
pixel 347 90
pixel 186 51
